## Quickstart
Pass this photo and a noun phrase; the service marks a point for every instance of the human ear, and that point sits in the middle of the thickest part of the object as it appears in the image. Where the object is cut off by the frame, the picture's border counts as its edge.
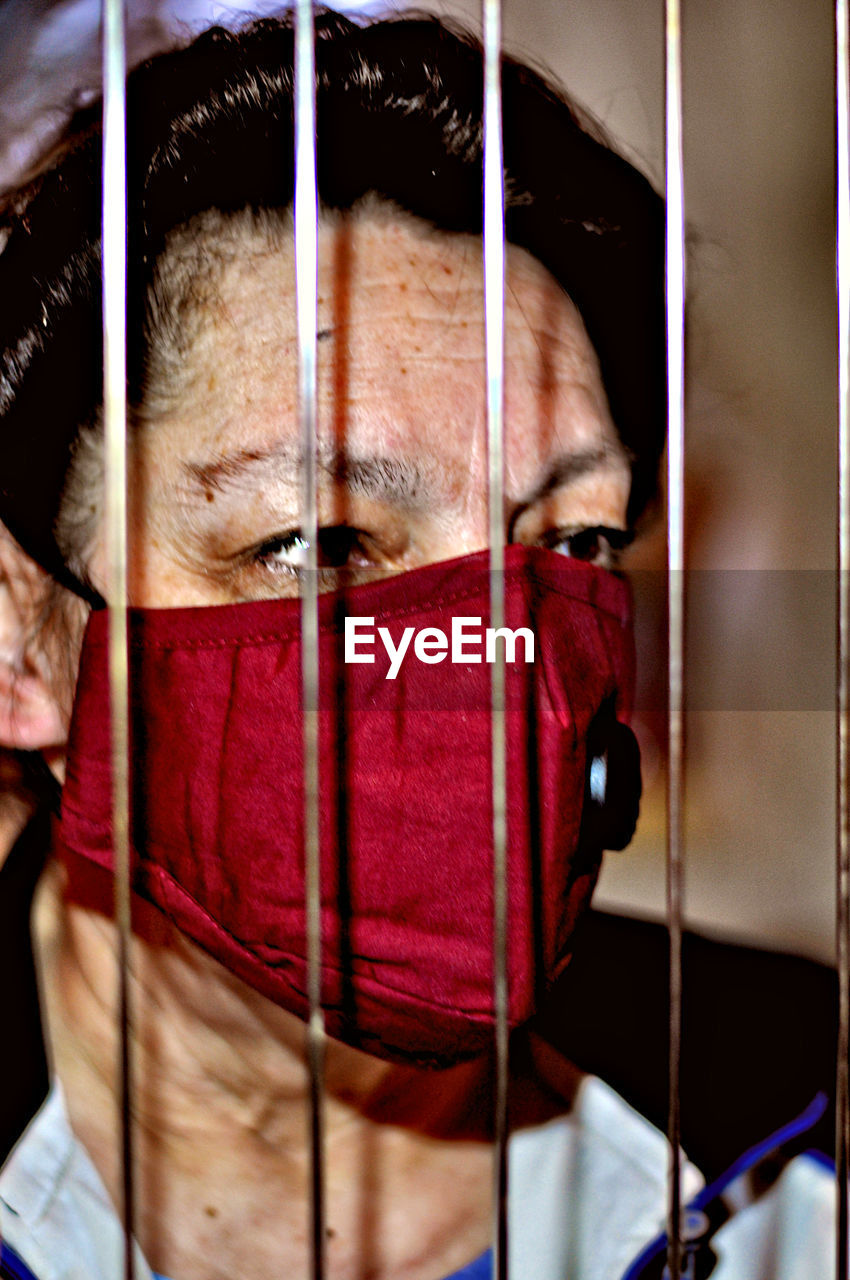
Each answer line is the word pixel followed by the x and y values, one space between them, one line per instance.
pixel 31 712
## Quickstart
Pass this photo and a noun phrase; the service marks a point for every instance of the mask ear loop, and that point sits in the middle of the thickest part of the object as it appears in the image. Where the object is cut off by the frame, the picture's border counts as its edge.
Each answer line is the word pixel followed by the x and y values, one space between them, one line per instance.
pixel 675 305
pixel 494 325
pixel 306 295
pixel 842 1102
pixel 114 277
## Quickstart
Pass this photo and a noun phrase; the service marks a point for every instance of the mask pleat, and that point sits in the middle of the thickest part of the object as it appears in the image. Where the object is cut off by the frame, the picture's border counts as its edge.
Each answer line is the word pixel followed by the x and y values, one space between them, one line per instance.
pixel 306 291
pixel 494 311
pixel 114 276
pixel 675 304
pixel 842 1103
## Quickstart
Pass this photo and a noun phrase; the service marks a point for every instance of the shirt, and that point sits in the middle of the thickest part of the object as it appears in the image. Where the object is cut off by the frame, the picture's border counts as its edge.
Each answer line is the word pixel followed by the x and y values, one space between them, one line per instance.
pixel 587 1201
pixel 587 1190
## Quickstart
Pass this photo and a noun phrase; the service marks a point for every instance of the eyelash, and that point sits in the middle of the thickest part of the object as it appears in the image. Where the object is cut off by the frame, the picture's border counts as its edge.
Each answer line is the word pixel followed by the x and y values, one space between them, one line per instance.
pixel 597 545
pixel 337 543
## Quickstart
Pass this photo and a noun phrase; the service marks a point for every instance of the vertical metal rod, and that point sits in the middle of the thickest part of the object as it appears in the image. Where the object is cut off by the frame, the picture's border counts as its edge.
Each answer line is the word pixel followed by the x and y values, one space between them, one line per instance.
pixel 842 1102
pixel 675 303
pixel 494 325
pixel 306 290
pixel 114 272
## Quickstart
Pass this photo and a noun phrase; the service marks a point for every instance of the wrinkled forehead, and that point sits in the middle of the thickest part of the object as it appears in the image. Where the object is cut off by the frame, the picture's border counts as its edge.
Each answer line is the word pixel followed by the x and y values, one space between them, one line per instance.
pixel 401 346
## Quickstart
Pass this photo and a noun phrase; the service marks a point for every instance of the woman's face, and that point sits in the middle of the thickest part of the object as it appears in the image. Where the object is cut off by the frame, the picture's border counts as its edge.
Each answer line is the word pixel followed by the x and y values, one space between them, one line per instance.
pixel 214 485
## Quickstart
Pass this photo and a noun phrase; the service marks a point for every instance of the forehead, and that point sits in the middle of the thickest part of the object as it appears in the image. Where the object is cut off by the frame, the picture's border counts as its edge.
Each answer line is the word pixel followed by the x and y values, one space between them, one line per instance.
pixel 401 349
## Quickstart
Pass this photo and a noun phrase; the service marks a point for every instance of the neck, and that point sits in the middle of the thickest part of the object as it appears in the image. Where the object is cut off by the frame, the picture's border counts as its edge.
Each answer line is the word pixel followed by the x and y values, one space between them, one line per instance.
pixel 221 1108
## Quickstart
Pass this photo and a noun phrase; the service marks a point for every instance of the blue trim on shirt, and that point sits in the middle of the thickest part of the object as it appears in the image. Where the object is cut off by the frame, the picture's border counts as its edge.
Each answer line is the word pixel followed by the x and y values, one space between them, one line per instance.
pixel 820 1158
pixel 11 1266
pixel 481 1268
pixel 793 1129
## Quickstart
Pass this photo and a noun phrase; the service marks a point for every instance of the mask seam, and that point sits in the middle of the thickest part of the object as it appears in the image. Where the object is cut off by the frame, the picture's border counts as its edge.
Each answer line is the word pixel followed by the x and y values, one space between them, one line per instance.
pixel 165 876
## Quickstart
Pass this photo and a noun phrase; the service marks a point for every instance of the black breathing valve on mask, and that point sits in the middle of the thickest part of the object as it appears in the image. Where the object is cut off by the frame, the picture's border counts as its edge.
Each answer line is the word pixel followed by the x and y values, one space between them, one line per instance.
pixel 612 784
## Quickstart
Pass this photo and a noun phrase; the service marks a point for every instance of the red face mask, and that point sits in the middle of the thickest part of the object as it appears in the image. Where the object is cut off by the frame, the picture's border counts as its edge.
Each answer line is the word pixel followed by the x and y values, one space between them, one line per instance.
pixel 406 814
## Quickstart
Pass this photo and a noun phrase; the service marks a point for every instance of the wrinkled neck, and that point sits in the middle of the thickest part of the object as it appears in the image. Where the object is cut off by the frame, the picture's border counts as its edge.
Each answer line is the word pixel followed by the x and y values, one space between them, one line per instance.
pixel 211 1053
pixel 220 1105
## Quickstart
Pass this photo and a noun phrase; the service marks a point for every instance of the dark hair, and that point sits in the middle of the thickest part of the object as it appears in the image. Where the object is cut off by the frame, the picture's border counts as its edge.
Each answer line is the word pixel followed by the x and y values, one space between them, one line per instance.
pixel 399 115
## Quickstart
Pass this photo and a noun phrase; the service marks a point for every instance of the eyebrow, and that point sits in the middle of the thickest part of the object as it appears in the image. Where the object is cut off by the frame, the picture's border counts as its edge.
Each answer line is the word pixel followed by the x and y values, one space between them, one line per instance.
pixel 570 467
pixel 399 479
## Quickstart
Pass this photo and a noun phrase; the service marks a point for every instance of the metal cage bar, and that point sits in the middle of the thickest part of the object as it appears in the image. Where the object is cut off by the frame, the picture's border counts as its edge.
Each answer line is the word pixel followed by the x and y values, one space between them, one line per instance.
pixel 842 258
pixel 675 305
pixel 306 290
pixel 114 275
pixel 494 325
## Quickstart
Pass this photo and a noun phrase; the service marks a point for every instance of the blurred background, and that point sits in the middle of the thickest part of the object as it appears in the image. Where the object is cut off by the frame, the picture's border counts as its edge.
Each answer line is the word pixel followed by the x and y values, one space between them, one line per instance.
pixel 761 408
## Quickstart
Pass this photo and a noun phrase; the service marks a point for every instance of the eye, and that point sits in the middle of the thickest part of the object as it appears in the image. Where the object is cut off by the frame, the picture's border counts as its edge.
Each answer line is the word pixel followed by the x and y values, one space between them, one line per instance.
pixel 596 545
pixel 339 546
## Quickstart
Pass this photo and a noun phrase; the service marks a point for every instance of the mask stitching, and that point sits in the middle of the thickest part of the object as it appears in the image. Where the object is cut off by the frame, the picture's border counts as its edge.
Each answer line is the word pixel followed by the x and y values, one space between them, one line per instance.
pixel 166 877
